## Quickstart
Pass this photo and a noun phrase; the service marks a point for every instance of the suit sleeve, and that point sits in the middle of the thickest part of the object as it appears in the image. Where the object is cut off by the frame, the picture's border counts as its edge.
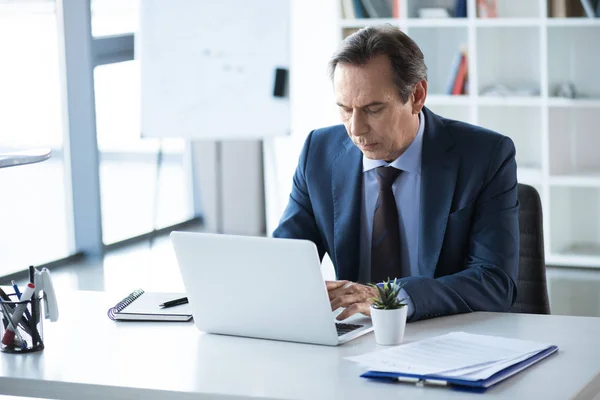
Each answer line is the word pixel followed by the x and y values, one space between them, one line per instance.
pixel 488 280
pixel 298 220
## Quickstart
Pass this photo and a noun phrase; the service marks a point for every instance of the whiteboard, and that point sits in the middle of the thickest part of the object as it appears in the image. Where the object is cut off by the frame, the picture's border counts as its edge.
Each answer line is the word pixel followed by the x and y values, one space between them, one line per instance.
pixel 208 68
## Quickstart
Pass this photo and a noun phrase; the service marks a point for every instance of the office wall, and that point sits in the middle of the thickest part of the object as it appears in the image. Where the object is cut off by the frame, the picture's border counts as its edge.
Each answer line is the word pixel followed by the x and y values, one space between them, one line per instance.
pixel 238 198
pixel 314 38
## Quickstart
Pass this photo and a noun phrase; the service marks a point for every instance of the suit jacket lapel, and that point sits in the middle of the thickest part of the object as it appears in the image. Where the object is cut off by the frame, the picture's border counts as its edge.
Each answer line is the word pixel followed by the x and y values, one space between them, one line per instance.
pixel 346 182
pixel 439 170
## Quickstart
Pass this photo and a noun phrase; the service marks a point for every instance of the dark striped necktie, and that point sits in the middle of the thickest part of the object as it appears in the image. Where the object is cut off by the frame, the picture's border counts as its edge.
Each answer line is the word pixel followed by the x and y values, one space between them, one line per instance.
pixel 385 244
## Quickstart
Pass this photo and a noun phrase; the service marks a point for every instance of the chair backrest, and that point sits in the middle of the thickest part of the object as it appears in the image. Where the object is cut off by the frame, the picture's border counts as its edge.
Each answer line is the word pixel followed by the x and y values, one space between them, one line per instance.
pixel 532 292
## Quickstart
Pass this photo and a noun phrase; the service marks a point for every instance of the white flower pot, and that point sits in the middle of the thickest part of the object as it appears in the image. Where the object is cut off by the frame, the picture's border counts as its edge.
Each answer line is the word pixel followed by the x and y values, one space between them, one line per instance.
pixel 389 325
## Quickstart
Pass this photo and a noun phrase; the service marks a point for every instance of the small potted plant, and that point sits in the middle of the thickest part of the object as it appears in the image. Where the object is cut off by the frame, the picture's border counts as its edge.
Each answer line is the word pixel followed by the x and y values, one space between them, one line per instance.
pixel 388 313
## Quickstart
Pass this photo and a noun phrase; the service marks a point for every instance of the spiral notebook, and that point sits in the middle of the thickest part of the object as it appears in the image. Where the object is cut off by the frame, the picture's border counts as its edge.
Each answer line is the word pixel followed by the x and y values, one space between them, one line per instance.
pixel 144 306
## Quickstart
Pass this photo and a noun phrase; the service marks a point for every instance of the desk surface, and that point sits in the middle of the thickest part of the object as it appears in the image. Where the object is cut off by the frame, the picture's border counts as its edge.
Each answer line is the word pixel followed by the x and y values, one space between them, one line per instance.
pixel 14 158
pixel 89 356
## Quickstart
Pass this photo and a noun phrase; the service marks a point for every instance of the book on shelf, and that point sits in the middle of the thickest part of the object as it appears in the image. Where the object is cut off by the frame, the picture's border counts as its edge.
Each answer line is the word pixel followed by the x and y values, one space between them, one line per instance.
pixel 486 9
pixel 588 8
pixel 352 9
pixel 377 8
pixel 359 11
pixel 348 9
pixel 458 79
pixel 396 8
pixel 566 9
pixel 460 9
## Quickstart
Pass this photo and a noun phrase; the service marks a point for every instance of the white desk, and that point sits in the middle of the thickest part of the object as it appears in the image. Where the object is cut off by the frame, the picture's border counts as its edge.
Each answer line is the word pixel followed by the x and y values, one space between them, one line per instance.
pixel 14 158
pixel 88 356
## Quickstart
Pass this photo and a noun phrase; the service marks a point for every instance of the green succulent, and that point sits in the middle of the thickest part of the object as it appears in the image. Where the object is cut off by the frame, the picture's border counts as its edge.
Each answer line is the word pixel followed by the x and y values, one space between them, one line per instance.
pixel 388 295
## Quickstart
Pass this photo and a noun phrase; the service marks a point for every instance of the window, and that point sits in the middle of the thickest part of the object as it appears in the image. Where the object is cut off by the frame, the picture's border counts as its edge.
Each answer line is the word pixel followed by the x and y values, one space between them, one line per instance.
pixel 33 208
pixel 136 197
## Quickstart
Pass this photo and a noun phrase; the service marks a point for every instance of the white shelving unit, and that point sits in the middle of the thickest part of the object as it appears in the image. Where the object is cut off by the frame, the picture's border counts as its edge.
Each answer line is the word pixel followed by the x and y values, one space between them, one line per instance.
pixel 557 138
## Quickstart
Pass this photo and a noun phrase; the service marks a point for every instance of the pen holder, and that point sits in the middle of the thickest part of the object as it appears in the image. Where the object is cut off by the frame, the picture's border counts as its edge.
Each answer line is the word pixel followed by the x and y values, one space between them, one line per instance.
pixel 21 329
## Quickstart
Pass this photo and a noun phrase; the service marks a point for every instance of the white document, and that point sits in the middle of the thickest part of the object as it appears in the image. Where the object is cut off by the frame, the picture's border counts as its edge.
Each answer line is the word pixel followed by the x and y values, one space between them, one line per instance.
pixel 485 371
pixel 458 353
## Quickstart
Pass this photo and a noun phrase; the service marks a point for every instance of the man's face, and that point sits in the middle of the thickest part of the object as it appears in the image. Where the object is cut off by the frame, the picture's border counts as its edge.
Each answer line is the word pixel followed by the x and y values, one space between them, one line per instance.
pixel 372 111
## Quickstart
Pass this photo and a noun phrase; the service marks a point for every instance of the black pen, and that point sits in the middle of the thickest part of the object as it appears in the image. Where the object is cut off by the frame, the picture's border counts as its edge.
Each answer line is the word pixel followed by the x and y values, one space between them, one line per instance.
pixel 175 302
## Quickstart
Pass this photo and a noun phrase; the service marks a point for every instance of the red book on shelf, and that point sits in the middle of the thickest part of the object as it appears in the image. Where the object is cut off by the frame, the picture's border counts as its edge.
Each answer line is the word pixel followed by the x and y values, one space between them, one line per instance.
pixel 487 8
pixel 461 76
pixel 396 8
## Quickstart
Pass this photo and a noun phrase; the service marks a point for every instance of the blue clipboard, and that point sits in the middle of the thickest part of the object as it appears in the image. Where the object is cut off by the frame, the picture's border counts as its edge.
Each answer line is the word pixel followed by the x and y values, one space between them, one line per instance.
pixel 461 384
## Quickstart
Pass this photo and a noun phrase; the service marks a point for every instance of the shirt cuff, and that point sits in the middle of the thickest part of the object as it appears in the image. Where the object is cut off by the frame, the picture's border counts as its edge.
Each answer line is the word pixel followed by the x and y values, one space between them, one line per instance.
pixel 409 303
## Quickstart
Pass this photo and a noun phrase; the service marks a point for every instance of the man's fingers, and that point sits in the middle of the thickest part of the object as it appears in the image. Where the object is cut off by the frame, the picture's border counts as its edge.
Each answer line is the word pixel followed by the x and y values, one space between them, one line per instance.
pixel 362 308
pixel 331 285
pixel 334 288
pixel 345 301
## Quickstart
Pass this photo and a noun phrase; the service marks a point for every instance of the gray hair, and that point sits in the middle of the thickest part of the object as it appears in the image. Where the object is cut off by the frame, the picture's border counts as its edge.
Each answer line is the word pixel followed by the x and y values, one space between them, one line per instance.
pixel 408 64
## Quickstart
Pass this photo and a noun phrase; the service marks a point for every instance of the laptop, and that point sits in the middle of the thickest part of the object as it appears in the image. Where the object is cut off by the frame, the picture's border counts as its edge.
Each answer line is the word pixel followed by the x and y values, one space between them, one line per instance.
pixel 260 287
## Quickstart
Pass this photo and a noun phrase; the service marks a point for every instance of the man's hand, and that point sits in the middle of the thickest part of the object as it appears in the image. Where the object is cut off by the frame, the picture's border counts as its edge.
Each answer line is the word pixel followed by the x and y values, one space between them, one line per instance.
pixel 354 297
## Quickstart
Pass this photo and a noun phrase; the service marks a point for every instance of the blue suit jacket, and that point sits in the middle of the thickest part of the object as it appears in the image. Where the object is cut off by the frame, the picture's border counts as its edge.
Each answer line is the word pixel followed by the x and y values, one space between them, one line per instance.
pixel 469 244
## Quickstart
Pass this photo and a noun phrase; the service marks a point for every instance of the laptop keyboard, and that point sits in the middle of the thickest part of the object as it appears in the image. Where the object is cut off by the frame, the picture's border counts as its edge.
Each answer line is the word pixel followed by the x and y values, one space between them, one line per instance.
pixel 342 329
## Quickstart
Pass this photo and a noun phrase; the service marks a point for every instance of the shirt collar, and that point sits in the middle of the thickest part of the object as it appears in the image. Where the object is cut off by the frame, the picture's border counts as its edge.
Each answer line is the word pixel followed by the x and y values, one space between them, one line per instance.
pixel 410 160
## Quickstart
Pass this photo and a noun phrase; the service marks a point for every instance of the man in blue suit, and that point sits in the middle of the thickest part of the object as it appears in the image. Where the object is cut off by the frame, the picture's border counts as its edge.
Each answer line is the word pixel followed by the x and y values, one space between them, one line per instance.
pixel 398 191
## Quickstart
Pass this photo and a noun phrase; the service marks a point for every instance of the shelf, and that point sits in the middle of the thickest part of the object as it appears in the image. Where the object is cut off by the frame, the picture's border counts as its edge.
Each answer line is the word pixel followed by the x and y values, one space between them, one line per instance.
pixel 584 254
pixel 529 175
pixel 573 103
pixel 479 22
pixel 574 217
pixel 411 8
pixel 520 66
pixel 573 59
pixel 362 22
pixel 588 178
pixel 573 260
pixel 510 101
pixel 513 9
pixel 456 111
pixel 507 22
pixel 410 22
pixel 575 22
pixel 437 22
pixel 573 143
pixel 448 100
pixel 523 125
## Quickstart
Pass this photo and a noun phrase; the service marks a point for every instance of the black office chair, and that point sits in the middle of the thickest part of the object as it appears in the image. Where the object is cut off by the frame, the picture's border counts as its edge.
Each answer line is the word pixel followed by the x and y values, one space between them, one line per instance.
pixel 532 293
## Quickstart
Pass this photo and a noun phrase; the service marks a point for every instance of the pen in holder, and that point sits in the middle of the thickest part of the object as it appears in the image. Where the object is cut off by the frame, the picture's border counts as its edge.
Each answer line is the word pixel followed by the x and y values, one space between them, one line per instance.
pixel 21 328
